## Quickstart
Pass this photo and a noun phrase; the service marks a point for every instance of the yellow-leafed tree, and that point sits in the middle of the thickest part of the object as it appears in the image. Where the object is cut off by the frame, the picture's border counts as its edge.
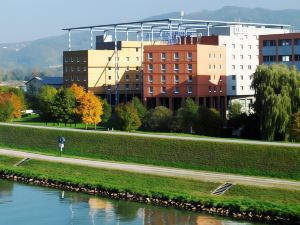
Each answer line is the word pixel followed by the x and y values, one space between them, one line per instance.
pixel 17 105
pixel 91 109
pixel 79 93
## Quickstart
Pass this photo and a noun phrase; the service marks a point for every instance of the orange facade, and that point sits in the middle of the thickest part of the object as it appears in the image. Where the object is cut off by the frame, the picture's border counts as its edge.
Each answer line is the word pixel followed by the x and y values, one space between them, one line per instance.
pixel 174 72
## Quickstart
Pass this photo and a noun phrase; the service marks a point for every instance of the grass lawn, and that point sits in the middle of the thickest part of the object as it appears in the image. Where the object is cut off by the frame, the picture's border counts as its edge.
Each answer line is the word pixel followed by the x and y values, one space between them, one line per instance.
pixel 257 160
pixel 282 202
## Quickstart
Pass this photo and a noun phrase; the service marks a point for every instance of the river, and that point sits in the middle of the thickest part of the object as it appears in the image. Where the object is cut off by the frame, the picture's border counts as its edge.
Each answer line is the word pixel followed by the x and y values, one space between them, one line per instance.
pixel 22 204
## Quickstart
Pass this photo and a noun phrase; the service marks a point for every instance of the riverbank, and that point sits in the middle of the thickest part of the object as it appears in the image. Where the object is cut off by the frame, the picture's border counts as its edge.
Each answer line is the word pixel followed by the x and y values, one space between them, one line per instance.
pixel 237 158
pixel 256 204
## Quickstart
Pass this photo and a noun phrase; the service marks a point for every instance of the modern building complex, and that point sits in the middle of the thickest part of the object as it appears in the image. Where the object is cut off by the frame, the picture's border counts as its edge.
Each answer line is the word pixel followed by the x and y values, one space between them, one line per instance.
pixel 280 48
pixel 174 72
pixel 103 71
pixel 165 61
pixel 242 49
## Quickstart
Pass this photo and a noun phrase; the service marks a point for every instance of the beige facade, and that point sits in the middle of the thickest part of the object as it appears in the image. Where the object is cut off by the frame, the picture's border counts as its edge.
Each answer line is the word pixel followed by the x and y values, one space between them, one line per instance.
pixel 100 70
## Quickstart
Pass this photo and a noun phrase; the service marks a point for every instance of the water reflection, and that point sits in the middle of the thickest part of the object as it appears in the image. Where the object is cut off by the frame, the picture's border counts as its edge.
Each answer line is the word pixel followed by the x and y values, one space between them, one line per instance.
pixel 41 206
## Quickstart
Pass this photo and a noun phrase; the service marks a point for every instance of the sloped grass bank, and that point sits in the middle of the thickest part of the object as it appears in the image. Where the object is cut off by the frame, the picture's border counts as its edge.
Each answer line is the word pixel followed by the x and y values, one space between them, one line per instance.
pixel 247 159
pixel 258 204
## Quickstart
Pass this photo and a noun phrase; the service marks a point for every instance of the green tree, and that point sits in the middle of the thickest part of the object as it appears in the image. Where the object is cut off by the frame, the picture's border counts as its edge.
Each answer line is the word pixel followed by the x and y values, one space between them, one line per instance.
pixel 235 109
pixel 210 122
pixel 294 127
pixel 139 107
pixel 62 108
pixel 277 92
pixel 158 119
pixel 106 112
pixel 45 100
pixel 186 117
pixel 127 118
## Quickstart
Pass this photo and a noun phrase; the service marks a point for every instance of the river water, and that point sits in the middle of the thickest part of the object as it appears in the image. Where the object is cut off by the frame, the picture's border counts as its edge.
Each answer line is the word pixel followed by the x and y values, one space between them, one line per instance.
pixel 22 204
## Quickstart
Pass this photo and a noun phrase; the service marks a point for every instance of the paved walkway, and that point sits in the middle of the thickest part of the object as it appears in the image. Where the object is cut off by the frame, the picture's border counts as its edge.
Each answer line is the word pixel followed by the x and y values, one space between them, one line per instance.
pixel 220 140
pixel 163 171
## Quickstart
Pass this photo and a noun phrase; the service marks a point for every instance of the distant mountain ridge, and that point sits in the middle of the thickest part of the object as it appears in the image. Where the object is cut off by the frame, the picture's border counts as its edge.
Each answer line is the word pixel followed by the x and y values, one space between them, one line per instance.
pixel 47 53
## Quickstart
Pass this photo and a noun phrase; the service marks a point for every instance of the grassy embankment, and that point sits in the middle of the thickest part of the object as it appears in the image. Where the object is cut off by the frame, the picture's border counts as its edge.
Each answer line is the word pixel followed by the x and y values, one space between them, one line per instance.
pixel 240 198
pixel 248 159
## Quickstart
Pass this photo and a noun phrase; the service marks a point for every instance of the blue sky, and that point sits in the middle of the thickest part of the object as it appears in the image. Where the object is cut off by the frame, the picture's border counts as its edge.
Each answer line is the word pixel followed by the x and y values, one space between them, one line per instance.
pixel 23 20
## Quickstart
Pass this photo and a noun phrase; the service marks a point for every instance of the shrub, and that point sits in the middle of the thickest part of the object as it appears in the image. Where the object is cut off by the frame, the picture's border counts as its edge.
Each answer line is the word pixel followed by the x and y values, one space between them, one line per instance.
pixel 127 118
pixel 210 122
pixel 158 119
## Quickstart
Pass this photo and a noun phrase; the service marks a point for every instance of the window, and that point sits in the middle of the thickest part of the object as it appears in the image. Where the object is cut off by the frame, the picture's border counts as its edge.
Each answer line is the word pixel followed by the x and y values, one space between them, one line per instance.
pixel 189 56
pixel 285 42
pixel 137 86
pixel 137 77
pixel 190 90
pixel 250 56
pixel 242 88
pixel 109 58
pixel 150 79
pixel 150 56
pixel 297 41
pixel 66 59
pixel 250 46
pixel 233 88
pixel 163 68
pixel 269 58
pixel 176 90
pixel 190 68
pixel 215 89
pixel 242 77
pixel 137 68
pixel 78 59
pixel 127 77
pixel 249 67
pixel 297 58
pixel 109 68
pixel 190 79
pixel 136 49
pixel 84 69
pixel 285 58
pixel 220 56
pixel 209 67
pixel 150 68
pixel 150 90
pixel 220 66
pixel 109 77
pixel 270 43
pixel 209 89
pixel 127 86
pixel 137 59
pixel 221 89
pixel 127 59
pixel 241 67
pixel 242 46
pixel 233 46
pixel 109 87
pixel 78 68
pixel 176 68
pixel 127 68
pixel 233 56
pixel 163 56
pixel 66 69
pixel 163 78
pixel 233 77
pixel 233 67
pixel 71 59
pixel 72 69
pixel 163 90
pixel 176 56
pixel 242 56
pixel 176 78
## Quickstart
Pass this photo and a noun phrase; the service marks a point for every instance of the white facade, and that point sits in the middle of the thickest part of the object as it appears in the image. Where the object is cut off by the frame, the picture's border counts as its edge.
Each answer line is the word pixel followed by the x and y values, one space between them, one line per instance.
pixel 242 49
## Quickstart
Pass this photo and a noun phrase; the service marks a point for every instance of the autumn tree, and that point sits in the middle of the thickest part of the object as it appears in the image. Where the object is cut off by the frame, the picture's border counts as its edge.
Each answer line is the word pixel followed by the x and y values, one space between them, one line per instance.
pixel 127 118
pixel 17 105
pixel 79 93
pixel 277 92
pixel 91 109
pixel 6 107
